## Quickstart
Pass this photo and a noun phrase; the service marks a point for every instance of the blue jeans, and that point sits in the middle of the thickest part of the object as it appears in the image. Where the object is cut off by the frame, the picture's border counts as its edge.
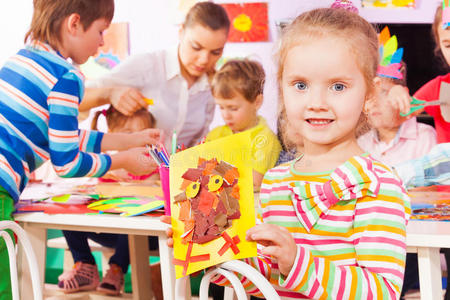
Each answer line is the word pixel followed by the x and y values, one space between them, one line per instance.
pixel 79 247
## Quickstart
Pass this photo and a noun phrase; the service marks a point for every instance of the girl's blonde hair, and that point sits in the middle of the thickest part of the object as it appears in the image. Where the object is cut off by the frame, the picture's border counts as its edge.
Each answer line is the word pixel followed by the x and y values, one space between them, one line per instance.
pixel 207 14
pixel 435 33
pixel 116 120
pixel 48 16
pixel 245 77
pixel 359 34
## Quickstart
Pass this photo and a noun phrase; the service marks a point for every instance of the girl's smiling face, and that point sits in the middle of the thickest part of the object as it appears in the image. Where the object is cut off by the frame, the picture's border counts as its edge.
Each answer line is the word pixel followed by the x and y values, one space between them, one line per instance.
pixel 323 91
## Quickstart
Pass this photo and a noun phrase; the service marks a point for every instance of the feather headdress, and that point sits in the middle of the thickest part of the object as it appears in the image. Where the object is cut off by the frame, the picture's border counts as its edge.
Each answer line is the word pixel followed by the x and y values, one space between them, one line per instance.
pixel 446 14
pixel 390 56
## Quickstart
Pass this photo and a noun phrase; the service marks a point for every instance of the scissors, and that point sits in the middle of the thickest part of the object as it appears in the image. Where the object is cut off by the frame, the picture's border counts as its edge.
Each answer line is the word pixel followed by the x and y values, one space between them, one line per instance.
pixel 417 104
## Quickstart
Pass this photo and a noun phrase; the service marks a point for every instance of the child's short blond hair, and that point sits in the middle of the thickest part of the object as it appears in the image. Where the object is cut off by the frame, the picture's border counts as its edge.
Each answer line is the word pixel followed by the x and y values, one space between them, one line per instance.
pixel 244 77
pixel 48 16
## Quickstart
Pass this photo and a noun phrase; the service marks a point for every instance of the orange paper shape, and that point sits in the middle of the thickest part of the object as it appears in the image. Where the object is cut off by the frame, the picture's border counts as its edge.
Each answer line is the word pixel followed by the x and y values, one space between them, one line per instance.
pixel 185 263
pixel 229 243
pixel 249 22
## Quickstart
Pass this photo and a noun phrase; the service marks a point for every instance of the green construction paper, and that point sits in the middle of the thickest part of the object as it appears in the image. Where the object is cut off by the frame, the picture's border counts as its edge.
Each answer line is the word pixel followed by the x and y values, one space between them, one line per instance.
pixel 61 199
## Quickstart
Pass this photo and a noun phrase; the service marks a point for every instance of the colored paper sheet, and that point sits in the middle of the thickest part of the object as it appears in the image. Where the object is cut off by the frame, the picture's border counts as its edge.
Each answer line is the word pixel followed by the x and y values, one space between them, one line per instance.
pixel 53 208
pixel 249 22
pixel 121 189
pixel 127 206
pixel 212 203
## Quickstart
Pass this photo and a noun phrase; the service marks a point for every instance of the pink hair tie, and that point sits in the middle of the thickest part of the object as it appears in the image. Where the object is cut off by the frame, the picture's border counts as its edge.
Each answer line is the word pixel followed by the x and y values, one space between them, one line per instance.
pixel 345 4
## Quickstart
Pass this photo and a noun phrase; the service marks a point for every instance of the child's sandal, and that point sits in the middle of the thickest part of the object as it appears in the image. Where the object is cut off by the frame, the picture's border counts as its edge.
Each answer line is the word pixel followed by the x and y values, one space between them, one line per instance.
pixel 82 277
pixel 113 281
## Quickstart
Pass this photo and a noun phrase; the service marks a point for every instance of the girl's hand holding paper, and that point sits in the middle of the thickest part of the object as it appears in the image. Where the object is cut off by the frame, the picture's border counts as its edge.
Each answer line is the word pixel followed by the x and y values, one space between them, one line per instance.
pixel 278 243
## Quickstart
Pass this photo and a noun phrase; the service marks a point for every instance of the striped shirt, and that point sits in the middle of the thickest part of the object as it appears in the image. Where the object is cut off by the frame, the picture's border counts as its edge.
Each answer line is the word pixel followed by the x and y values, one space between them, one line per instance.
pixel 349 226
pixel 39 97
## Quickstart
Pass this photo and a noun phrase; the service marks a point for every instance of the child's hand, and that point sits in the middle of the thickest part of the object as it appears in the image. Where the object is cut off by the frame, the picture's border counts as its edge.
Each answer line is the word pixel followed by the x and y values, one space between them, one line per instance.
pixel 127 100
pixel 137 161
pixel 149 136
pixel 278 242
pixel 399 98
pixel 169 231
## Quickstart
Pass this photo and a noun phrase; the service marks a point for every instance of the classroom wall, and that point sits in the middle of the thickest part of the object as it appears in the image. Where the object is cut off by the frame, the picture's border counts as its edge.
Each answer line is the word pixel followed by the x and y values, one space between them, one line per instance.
pixel 153 25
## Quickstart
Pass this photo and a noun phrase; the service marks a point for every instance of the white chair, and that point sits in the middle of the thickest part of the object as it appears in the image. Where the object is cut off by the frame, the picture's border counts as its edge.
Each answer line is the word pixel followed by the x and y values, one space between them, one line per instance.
pixel 226 269
pixel 24 242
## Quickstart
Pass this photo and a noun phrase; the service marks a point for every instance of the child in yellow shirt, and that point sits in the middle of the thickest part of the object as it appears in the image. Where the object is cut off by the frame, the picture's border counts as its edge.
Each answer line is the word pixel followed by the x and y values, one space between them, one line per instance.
pixel 238 91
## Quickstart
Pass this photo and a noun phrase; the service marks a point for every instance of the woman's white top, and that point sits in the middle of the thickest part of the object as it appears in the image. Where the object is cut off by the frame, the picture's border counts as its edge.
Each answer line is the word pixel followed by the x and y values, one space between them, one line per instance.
pixel 157 75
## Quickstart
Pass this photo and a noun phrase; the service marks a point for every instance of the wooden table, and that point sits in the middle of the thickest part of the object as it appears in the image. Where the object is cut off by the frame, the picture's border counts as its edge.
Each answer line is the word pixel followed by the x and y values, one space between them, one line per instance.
pixel 137 228
pixel 426 238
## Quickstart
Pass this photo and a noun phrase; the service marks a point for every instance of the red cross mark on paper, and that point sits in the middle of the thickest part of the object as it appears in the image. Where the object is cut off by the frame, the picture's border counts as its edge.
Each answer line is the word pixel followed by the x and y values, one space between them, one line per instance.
pixel 229 243
pixel 189 259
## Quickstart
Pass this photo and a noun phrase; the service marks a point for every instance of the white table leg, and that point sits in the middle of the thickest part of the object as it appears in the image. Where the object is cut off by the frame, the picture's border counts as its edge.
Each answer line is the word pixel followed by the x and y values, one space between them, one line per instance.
pixel 141 281
pixel 167 268
pixel 430 274
pixel 38 238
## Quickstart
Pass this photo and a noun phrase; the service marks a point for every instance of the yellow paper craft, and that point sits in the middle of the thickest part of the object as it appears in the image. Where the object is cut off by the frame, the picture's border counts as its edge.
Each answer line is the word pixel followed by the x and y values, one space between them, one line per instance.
pixel 212 203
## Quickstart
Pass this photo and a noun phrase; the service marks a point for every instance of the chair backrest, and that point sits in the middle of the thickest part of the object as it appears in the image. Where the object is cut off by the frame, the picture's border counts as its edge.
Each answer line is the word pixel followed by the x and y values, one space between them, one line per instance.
pixel 25 243
pixel 226 269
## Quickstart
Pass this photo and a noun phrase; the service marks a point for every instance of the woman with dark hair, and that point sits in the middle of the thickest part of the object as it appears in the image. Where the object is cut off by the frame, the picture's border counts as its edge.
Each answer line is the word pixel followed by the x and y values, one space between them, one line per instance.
pixel 178 79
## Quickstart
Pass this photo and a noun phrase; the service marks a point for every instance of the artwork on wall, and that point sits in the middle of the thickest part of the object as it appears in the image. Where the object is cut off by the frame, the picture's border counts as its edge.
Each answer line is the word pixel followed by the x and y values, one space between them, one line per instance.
pixel 115 50
pixel 212 203
pixel 389 3
pixel 249 22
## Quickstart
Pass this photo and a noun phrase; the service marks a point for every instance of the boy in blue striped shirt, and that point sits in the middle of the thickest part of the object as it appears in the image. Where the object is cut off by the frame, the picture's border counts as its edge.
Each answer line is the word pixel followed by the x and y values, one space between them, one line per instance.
pixel 40 91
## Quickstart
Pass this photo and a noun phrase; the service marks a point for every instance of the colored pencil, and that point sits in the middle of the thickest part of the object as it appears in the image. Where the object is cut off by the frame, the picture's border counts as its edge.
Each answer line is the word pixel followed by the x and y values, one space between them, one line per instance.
pixel 174 142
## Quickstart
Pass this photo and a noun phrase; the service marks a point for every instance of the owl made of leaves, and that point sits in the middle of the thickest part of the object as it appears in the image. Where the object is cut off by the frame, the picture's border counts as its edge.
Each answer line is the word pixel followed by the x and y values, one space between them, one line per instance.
pixel 209 201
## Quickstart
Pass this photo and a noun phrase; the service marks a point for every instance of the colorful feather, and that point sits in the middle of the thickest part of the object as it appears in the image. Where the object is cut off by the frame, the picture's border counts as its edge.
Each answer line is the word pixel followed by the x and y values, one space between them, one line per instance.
pixel 390 55
pixel 445 14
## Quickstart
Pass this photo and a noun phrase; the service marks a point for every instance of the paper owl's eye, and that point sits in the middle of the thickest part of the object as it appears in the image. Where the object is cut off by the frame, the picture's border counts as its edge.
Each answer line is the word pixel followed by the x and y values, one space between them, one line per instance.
pixel 192 189
pixel 214 183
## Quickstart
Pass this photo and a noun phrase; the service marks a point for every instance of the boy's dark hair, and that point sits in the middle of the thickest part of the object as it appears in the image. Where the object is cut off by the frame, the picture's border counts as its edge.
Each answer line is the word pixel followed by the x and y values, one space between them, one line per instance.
pixel 245 77
pixel 207 14
pixel 48 16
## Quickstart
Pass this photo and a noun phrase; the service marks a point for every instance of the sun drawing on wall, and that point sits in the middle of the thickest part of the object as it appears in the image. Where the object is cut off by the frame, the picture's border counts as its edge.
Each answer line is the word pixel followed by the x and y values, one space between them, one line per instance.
pixel 249 22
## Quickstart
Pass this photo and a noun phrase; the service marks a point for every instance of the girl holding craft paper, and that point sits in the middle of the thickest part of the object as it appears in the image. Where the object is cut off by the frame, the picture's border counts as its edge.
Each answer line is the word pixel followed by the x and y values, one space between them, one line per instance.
pixel 177 78
pixel 432 90
pixel 40 92
pixel 334 219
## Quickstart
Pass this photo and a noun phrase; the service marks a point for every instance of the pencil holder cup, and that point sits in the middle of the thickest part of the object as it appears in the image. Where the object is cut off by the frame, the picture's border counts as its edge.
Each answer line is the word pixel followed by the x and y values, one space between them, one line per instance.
pixel 164 176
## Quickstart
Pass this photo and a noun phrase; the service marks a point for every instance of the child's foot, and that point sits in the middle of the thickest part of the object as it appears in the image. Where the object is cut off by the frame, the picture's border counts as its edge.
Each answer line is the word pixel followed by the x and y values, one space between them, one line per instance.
pixel 112 283
pixel 82 277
